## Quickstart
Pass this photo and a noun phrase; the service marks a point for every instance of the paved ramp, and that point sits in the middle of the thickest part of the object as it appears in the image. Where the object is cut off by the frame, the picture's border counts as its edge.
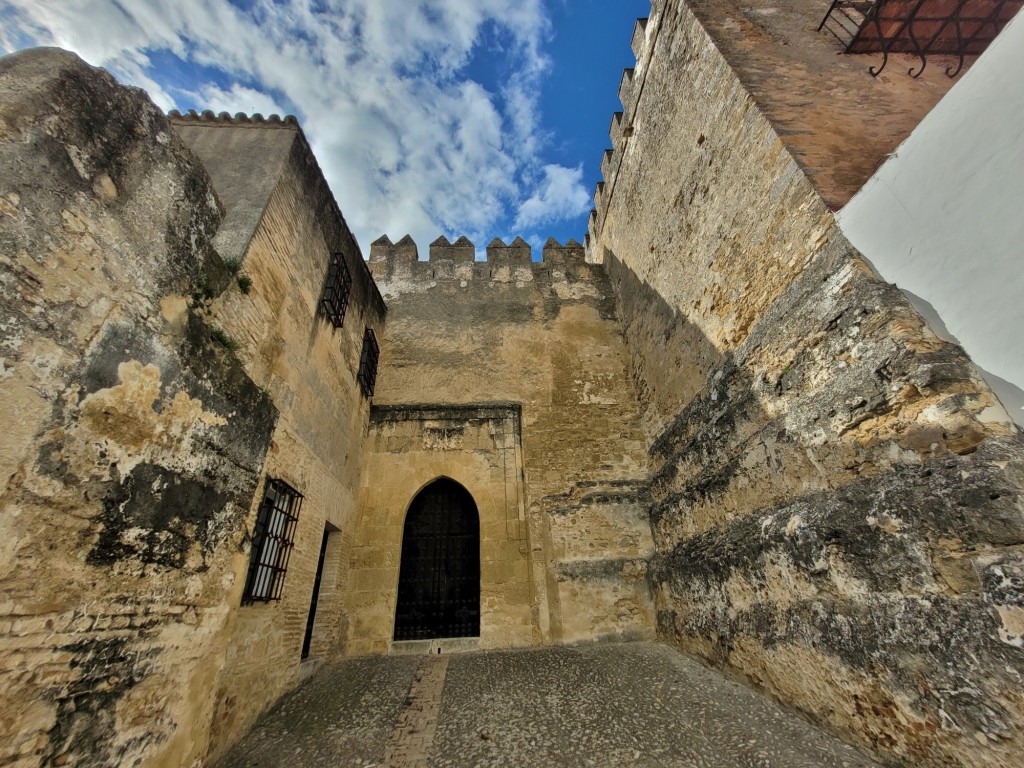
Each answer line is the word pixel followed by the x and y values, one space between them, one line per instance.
pixel 635 704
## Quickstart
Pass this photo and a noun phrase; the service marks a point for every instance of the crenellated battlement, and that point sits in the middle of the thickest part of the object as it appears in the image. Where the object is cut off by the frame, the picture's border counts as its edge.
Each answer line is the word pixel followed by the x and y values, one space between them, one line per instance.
pixel 516 254
pixel 462 251
pixel 621 127
pixel 382 251
pixel 239 118
pixel 511 262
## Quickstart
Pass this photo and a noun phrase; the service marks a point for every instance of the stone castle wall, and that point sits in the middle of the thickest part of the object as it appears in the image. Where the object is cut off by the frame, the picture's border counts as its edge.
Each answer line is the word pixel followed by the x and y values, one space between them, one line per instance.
pixel 543 335
pixel 282 225
pixel 133 440
pixel 717 424
pixel 836 495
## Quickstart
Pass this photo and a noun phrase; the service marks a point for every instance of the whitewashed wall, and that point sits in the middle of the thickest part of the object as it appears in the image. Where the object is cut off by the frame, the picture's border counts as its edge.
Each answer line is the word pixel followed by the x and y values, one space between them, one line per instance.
pixel 943 218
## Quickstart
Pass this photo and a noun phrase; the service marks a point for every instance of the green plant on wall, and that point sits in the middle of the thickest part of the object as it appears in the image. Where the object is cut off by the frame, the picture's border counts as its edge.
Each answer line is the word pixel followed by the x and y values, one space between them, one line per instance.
pixel 234 266
pixel 221 336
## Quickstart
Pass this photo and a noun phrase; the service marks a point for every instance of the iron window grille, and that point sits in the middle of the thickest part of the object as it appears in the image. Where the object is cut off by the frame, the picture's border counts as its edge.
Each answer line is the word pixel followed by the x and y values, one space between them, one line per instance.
pixel 336 290
pixel 367 375
pixel 272 542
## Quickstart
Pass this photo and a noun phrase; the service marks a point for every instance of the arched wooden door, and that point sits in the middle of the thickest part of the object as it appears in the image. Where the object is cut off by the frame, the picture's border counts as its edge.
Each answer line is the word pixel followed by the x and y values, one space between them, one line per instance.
pixel 439 578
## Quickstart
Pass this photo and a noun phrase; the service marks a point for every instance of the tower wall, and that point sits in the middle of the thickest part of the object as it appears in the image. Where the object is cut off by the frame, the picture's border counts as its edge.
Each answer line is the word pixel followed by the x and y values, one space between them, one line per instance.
pixel 283 228
pixel 836 494
pixel 719 425
pixel 569 554
pixel 154 389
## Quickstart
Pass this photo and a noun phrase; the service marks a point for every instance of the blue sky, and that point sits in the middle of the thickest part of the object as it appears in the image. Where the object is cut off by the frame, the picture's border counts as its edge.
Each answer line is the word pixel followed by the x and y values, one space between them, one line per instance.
pixel 484 118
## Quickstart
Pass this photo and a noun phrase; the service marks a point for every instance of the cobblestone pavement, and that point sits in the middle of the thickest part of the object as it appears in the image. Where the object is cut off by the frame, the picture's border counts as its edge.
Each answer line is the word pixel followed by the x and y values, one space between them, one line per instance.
pixel 635 704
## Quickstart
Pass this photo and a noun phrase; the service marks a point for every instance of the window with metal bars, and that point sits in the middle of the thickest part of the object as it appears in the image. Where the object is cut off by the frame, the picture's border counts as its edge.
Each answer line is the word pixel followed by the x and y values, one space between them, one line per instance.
pixel 336 290
pixel 272 542
pixel 367 375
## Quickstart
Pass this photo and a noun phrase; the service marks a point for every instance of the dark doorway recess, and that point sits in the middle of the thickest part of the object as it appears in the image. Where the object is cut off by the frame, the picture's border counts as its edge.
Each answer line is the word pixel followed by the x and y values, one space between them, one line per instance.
pixel 311 618
pixel 439 579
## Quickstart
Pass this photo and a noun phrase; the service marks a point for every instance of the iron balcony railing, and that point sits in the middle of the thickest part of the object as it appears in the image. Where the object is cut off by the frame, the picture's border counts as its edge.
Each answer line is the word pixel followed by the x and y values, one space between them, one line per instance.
pixel 923 28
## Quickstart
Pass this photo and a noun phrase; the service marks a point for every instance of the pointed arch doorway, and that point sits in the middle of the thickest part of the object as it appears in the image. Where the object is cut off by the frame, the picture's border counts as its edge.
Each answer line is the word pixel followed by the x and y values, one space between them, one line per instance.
pixel 439 576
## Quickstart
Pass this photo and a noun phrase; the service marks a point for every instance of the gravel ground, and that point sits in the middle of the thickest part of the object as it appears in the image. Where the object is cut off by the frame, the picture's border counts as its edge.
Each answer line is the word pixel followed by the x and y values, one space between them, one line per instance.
pixel 631 704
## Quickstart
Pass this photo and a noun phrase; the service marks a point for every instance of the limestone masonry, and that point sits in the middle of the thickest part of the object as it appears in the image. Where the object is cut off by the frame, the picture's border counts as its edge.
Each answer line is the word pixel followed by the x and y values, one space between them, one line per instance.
pixel 234 450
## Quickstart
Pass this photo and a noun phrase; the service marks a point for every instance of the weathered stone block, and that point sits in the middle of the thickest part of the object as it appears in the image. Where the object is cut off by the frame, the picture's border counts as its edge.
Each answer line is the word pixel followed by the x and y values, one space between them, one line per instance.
pixel 137 466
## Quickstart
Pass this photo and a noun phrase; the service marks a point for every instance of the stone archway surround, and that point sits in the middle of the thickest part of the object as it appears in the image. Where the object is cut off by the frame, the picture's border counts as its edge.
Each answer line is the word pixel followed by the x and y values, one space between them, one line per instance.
pixel 407 448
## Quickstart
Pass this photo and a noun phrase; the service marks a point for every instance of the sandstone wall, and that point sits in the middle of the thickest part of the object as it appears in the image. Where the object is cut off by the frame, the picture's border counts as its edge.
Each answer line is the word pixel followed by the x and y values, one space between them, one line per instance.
pixel 543 335
pixel 287 224
pixel 836 495
pixel 133 440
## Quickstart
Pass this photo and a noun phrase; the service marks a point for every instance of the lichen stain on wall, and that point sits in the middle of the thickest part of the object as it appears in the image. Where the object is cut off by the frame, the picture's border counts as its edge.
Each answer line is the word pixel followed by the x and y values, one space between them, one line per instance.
pixel 133 413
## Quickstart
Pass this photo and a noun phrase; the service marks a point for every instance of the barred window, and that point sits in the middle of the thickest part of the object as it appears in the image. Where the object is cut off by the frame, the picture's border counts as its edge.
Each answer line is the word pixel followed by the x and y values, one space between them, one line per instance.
pixel 336 290
pixel 367 375
pixel 272 542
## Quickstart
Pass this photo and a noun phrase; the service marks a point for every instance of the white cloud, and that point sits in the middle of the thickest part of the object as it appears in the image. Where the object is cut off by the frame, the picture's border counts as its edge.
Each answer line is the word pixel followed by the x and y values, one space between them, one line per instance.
pixel 239 98
pixel 561 195
pixel 406 140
